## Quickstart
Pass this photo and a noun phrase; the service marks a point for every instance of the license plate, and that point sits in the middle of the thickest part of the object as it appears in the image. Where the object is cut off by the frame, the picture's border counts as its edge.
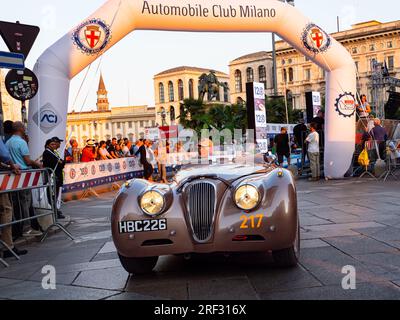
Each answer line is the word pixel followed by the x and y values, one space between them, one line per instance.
pixel 142 226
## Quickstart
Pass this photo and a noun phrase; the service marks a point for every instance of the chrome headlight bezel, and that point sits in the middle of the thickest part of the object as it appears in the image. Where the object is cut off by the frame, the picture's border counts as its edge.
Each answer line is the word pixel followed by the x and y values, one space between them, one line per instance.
pixel 148 213
pixel 258 202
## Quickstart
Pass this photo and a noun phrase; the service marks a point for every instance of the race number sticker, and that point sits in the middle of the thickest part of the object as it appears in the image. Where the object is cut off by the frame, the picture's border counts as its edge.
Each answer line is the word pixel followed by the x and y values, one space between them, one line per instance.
pixel 142 226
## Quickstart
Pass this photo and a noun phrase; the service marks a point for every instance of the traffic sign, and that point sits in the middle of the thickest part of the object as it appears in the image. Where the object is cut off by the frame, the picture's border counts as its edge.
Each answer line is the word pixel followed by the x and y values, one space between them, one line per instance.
pixel 22 85
pixel 19 37
pixel 12 60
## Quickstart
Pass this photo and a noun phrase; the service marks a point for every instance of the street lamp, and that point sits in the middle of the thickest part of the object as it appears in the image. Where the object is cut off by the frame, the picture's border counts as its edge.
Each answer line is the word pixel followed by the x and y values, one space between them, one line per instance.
pixel 274 68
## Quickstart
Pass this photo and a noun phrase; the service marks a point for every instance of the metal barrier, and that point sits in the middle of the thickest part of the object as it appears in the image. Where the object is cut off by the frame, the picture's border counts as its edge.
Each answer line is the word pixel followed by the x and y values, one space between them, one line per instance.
pixel 33 188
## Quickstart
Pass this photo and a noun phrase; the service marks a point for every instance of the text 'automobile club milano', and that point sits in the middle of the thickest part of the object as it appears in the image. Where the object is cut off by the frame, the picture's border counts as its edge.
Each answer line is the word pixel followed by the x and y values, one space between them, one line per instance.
pixel 260 117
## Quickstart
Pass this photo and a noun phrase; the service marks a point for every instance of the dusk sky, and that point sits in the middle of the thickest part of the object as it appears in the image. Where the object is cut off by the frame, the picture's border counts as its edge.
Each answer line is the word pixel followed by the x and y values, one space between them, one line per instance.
pixel 129 67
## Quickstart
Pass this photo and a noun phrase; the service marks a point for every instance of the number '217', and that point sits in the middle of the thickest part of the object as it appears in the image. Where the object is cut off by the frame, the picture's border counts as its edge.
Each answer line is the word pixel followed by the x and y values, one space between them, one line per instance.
pixel 253 221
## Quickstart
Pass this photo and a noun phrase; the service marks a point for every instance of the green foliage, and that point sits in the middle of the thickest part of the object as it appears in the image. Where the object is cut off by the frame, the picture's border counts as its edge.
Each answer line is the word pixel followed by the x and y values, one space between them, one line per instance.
pixel 276 111
pixel 197 116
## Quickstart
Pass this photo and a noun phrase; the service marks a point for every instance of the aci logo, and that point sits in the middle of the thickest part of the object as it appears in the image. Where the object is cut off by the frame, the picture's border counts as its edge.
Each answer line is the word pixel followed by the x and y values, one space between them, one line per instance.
pixel 48 119
pixel 92 36
pixel 315 39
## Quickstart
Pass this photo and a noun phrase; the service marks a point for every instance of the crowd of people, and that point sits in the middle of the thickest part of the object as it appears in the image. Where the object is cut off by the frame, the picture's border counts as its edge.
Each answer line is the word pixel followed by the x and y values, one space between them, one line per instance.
pixel 15 156
pixel 151 155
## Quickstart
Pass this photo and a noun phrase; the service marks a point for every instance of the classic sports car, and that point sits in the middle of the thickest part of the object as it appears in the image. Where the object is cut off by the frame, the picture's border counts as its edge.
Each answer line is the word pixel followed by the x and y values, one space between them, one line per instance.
pixel 214 209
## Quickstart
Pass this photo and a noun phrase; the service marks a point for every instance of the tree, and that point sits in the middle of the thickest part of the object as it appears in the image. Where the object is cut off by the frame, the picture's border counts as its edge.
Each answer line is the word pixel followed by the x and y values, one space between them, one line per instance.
pixel 276 111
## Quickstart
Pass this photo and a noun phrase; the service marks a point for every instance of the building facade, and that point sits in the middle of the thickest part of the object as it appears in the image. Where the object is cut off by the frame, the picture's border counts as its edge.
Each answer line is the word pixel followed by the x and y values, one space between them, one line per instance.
pixel 367 42
pixel 11 107
pixel 254 67
pixel 173 86
pixel 106 123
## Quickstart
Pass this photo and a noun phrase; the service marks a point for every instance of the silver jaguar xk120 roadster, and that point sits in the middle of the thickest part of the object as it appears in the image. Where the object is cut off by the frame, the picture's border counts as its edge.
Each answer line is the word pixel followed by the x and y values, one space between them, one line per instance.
pixel 231 208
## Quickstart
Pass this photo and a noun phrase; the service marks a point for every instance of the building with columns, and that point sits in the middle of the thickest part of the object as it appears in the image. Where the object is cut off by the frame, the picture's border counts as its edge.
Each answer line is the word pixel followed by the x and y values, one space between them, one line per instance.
pixel 367 42
pixel 254 67
pixel 173 86
pixel 106 123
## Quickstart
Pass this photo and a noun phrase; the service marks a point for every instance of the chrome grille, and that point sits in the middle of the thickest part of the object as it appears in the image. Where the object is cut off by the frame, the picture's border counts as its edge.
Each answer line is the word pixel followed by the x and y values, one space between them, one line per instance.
pixel 201 206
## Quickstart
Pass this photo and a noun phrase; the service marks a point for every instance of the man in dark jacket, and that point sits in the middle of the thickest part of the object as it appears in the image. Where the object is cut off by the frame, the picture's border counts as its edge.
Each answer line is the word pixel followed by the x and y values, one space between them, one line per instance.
pixel 52 160
pixel 282 146
pixel 147 167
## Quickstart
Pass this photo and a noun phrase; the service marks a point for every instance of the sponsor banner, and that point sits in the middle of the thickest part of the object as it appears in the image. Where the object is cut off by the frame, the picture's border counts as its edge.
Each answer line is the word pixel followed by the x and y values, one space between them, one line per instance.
pixel 260 117
pixel 82 172
pixel 317 103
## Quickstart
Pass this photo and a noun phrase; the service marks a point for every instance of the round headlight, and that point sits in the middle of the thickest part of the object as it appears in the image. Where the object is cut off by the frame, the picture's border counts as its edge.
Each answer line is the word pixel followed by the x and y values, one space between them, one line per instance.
pixel 247 197
pixel 152 203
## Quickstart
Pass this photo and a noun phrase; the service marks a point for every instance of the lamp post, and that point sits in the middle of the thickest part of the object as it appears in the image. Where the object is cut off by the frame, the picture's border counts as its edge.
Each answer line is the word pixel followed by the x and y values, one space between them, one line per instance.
pixel 274 64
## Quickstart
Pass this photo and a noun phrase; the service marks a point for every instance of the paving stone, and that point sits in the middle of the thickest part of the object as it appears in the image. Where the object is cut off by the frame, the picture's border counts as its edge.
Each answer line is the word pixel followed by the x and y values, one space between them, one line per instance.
pixel 235 289
pixel 313 243
pixel 281 279
pixel 384 234
pixel 20 270
pixel 61 278
pixel 364 291
pixel 307 235
pixel 33 291
pixel 167 290
pixel 111 279
pixel 359 245
pixel 326 265
pixel 345 226
pixel 313 221
pixel 7 282
pixel 108 247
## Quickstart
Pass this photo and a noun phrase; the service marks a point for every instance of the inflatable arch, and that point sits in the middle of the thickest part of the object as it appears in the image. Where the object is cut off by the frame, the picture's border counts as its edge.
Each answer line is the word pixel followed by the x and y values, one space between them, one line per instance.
pixel 117 18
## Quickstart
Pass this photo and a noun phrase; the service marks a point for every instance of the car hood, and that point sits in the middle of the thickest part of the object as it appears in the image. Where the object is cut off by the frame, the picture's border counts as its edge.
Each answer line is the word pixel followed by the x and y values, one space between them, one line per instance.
pixel 229 172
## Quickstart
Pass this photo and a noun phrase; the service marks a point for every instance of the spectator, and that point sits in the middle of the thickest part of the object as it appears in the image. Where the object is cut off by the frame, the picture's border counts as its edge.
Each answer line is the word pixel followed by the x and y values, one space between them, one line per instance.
pixel 72 154
pixel 111 149
pixel 52 160
pixel 313 152
pixel 8 131
pixel 380 135
pixel 151 158
pixel 363 108
pixel 118 151
pixel 147 167
pixel 22 200
pixel 299 132
pixel 161 156
pixel 103 152
pixel 89 153
pixel 319 121
pixel 125 150
pixel 135 149
pixel 128 144
pixel 282 146
pixel 6 208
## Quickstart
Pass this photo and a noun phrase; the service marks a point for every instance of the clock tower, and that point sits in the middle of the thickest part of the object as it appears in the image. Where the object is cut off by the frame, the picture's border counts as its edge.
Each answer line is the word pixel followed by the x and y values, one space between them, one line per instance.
pixel 102 99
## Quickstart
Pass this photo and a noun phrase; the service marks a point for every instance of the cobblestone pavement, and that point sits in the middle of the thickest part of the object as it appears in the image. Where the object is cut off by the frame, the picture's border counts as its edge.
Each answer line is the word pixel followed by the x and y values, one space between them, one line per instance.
pixel 343 223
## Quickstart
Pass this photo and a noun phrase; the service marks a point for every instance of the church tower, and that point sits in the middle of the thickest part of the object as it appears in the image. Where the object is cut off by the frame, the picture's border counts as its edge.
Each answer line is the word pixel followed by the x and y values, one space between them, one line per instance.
pixel 102 99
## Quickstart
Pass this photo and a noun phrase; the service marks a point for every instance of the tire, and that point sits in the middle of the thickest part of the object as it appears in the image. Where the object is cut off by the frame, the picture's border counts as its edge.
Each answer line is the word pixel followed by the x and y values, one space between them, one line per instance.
pixel 288 258
pixel 138 265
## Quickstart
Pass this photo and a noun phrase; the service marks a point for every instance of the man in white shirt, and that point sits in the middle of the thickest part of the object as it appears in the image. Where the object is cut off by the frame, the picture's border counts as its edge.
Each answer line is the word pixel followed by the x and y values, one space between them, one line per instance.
pixel 313 152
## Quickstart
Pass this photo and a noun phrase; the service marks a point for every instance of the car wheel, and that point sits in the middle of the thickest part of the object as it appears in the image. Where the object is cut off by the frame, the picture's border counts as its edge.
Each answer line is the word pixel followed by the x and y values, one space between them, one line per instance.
pixel 138 265
pixel 288 257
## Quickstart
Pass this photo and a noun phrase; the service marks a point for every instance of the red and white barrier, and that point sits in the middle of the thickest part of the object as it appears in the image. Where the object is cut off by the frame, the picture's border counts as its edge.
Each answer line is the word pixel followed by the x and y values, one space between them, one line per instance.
pixel 10 182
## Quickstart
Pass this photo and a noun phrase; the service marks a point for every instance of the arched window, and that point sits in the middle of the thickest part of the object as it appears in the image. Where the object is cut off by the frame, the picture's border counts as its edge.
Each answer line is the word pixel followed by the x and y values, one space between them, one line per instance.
pixel 226 92
pixel 291 75
pixel 171 94
pixel 262 75
pixel 180 90
pixel 250 74
pixel 284 75
pixel 238 81
pixel 191 89
pixel 161 92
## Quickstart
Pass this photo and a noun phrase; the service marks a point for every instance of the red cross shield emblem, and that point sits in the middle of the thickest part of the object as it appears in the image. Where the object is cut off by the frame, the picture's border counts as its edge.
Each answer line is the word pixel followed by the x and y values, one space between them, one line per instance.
pixel 93 35
pixel 317 37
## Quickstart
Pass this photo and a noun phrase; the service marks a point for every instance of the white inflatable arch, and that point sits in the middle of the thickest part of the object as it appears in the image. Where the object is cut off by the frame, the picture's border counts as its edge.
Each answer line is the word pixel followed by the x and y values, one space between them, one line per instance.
pixel 117 18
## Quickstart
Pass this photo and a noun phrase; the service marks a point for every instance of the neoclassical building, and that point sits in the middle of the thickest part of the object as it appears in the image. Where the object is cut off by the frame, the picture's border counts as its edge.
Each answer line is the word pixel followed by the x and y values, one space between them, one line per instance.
pixel 11 107
pixel 106 123
pixel 254 67
pixel 367 41
pixel 173 86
